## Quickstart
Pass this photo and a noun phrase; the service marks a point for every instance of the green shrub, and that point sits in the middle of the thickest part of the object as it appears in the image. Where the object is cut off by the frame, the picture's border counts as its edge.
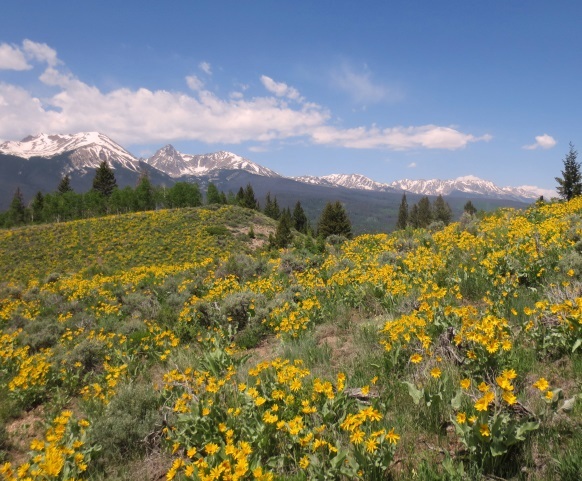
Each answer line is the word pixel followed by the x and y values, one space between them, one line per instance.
pixel 131 423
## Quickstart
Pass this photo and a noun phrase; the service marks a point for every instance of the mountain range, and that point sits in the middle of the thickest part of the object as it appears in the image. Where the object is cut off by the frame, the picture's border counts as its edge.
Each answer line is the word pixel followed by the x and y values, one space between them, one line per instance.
pixel 37 163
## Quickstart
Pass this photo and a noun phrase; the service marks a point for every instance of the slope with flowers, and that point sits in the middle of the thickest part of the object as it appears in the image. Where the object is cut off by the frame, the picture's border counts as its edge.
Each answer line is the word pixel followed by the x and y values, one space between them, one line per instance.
pixel 452 354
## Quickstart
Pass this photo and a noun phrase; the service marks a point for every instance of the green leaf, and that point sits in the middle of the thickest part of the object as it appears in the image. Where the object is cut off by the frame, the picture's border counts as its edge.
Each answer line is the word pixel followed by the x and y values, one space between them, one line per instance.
pixel 525 428
pixel 498 448
pixel 338 460
pixel 415 394
pixel 456 401
pixel 568 405
pixel 577 344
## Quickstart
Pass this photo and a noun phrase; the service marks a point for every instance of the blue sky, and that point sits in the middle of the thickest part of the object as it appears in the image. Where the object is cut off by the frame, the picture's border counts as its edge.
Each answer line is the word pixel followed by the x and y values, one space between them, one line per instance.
pixel 403 89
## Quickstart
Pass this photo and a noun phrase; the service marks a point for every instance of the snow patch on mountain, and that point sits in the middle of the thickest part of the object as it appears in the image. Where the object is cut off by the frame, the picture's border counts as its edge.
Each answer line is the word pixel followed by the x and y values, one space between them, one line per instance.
pixel 177 164
pixel 88 149
pixel 471 185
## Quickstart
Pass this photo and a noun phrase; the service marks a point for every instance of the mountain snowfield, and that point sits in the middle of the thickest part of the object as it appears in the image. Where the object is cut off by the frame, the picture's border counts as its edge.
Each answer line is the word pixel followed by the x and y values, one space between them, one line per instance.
pixel 177 164
pixel 88 149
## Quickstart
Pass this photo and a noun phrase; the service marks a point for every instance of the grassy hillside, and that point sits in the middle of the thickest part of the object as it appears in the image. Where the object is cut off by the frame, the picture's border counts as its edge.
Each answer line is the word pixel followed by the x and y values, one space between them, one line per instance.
pixel 171 345
pixel 117 243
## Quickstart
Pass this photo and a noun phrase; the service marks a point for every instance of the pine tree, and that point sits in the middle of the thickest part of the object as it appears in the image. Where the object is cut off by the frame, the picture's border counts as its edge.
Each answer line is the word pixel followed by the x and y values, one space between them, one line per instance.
pixel 469 208
pixel 16 211
pixel 402 221
pixel 36 207
pixel 272 207
pixel 283 235
pixel 212 194
pixel 413 219
pixel 104 181
pixel 249 200
pixel 425 215
pixel 300 221
pixel 65 185
pixel 570 184
pixel 240 197
pixel 334 220
pixel 442 211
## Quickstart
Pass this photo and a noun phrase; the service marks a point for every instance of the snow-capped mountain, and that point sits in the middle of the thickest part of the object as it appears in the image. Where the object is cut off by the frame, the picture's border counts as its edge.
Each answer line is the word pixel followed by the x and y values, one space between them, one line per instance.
pixel 357 181
pixel 87 149
pixel 79 154
pixel 177 164
pixel 349 181
pixel 470 185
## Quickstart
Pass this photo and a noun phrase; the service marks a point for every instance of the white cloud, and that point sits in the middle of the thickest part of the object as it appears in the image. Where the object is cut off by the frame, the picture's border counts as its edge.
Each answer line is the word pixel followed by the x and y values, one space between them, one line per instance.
pixel 12 58
pixel 412 165
pixel 280 89
pixel 360 86
pixel 40 52
pixel 542 142
pixel 144 116
pixel 396 138
pixel 258 148
pixel 205 67
pixel 194 83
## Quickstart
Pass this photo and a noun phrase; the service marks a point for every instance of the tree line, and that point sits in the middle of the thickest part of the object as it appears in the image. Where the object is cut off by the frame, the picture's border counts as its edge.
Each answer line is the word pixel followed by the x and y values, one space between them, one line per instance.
pixel 106 198
pixel 423 213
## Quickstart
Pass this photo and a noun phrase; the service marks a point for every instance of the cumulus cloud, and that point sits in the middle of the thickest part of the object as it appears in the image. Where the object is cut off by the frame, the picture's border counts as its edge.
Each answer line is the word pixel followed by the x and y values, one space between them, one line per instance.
pixel 360 86
pixel 12 58
pixel 280 89
pixel 542 142
pixel 396 138
pixel 143 115
pixel 205 67
pixel 194 83
pixel 40 52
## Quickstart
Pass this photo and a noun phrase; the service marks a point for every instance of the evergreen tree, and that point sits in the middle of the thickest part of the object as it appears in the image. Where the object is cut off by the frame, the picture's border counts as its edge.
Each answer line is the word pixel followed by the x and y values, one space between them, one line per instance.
pixel 413 219
pixel 334 220
pixel 249 200
pixel 469 208
pixel 240 197
pixel 104 181
pixel 283 234
pixel 300 221
pixel 212 194
pixel 223 199
pixel 425 215
pixel 570 184
pixel 442 211
pixel 402 221
pixel 16 211
pixel 272 209
pixel 65 185
pixel 36 207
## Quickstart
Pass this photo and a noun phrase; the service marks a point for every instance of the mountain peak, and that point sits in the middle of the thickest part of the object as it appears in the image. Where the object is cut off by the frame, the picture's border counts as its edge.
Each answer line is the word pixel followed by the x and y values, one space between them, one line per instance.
pixel 87 149
pixel 176 164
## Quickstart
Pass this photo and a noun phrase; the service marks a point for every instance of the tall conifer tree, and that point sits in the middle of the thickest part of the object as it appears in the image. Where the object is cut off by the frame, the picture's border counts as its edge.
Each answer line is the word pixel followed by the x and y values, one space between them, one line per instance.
pixel 570 184
pixel 402 221
pixel 104 181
